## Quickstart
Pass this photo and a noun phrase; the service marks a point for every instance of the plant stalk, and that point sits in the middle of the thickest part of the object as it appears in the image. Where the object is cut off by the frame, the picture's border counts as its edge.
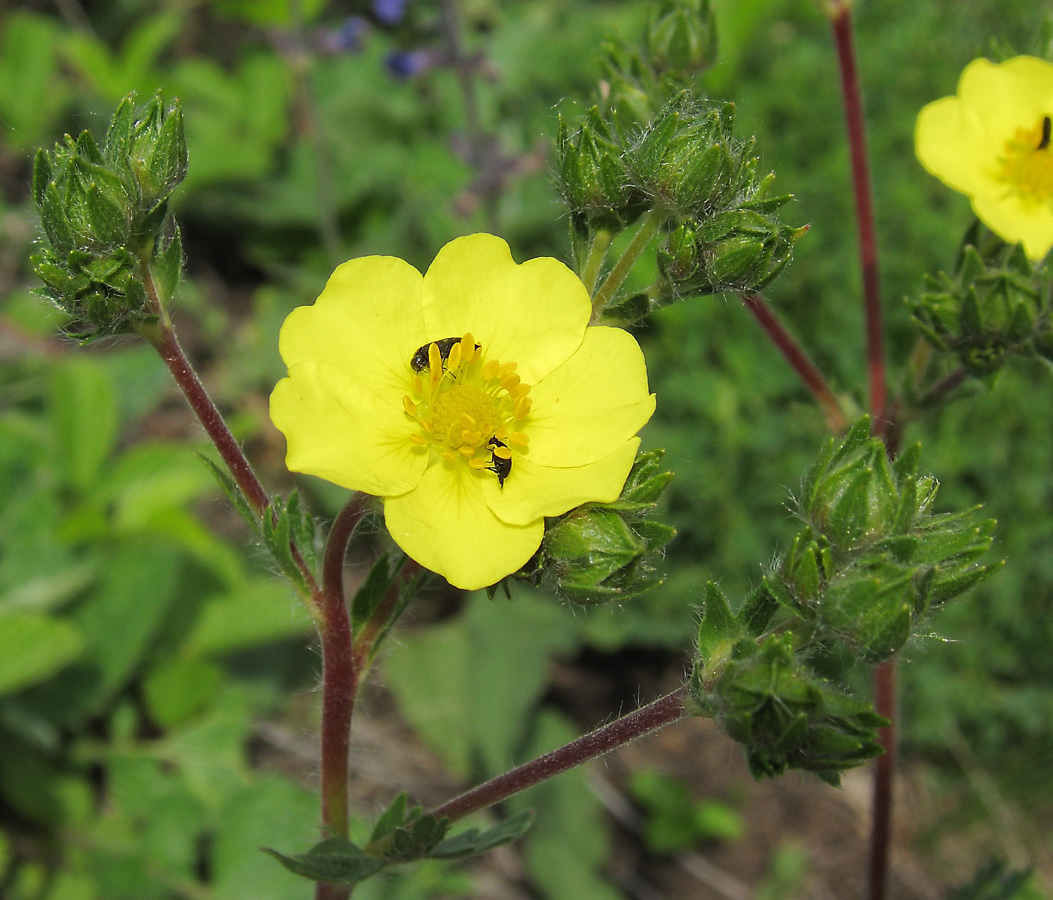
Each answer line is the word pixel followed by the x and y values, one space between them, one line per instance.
pixel 884 674
pixel 841 20
pixel 339 682
pixel 798 359
pixel 663 711
pixel 593 266
pixel 647 230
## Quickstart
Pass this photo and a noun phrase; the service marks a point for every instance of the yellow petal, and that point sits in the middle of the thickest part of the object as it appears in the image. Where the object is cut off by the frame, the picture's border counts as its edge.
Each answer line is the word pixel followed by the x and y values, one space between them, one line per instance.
pixel 1008 95
pixel 446 526
pixel 533 314
pixel 592 404
pixel 953 144
pixel 533 490
pixel 367 323
pixel 344 433
pixel 1017 221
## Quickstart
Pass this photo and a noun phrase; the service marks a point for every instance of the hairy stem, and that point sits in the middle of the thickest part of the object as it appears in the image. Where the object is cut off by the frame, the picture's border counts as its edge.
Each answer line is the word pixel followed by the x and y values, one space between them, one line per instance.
pixel 339 682
pixel 663 711
pixel 161 335
pixel 621 269
pixel 163 338
pixel 841 19
pixel 798 359
pixel 885 674
pixel 884 771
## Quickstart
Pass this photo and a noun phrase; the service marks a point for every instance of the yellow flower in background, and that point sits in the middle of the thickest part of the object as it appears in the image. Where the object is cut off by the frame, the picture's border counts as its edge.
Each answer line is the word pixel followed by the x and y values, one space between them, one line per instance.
pixel 992 143
pixel 474 399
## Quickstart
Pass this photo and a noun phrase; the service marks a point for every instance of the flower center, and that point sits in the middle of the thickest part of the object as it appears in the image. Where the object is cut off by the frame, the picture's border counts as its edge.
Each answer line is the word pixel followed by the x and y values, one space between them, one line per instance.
pixel 1027 164
pixel 469 410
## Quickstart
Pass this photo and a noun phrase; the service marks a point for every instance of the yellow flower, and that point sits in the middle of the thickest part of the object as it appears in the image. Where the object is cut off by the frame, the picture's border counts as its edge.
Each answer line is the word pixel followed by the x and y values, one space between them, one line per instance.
pixel 474 399
pixel 992 143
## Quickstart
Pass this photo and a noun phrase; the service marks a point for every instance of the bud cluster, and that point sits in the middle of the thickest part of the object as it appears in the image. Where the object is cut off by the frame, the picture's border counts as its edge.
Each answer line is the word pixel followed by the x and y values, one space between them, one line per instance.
pixel 994 305
pixel 607 551
pixel 104 210
pixel 869 563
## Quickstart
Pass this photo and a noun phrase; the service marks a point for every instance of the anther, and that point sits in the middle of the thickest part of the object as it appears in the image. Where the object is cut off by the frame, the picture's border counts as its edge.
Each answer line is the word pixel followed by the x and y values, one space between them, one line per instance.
pixel 1047 127
pixel 411 407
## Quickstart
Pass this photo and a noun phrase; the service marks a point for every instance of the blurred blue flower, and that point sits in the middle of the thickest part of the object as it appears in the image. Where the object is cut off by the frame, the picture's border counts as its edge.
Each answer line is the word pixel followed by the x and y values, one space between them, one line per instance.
pixel 403 64
pixel 348 38
pixel 389 12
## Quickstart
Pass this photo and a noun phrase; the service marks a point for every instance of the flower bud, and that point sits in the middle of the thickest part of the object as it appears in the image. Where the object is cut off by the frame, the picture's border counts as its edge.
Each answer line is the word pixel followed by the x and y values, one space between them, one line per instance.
pixel 681 36
pixel 992 307
pixel 103 210
pixel 608 551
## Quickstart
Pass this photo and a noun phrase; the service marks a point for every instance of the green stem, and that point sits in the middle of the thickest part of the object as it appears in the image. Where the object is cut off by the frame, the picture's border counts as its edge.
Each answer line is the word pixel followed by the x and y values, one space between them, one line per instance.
pixel 590 271
pixel 644 234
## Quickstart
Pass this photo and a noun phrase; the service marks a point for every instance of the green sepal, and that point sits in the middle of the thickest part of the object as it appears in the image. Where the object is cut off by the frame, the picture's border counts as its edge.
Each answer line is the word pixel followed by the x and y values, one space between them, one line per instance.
pixel 168 268
pixel 718 632
pixel 42 173
pixel 168 159
pixel 371 592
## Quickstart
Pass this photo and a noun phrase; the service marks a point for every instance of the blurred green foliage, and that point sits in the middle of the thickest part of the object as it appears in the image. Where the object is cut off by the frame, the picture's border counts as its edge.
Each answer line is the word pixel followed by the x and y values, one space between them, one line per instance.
pixel 139 647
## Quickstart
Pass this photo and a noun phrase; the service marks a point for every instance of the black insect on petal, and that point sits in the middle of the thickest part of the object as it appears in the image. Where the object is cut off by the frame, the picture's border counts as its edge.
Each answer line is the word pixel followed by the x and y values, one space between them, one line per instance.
pixel 419 360
pixel 500 466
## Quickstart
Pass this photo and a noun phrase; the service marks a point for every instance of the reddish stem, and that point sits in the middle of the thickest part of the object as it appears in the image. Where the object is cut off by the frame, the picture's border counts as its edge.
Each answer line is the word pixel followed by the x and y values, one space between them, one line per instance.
pixel 796 357
pixel 885 674
pixel 339 683
pixel 841 20
pixel 209 416
pixel 884 771
pixel 663 711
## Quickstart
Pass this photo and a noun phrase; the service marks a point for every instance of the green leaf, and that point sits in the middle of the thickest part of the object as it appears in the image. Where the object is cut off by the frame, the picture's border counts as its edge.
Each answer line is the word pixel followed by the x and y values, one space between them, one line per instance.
pixel 334 860
pixel 267 810
pixel 33 647
pixel 83 406
pixel 178 688
pixel 474 841
pixel 262 611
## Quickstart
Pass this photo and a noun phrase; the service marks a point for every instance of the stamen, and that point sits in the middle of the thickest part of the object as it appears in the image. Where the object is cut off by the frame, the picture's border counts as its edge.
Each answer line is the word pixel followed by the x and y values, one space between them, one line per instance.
pixel 468 406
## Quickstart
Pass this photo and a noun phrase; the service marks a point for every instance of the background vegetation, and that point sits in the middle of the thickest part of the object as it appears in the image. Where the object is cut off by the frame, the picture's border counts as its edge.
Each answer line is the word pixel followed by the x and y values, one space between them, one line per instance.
pixel 155 679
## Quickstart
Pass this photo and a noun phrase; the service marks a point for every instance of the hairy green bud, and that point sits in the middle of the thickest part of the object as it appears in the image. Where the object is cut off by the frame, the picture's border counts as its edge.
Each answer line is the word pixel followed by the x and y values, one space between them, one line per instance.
pixel 607 551
pixel 995 305
pixel 104 210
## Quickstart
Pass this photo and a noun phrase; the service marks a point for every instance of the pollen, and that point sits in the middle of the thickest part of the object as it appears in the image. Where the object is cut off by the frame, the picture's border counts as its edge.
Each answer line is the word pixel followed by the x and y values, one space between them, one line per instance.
pixel 469 408
pixel 1027 162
